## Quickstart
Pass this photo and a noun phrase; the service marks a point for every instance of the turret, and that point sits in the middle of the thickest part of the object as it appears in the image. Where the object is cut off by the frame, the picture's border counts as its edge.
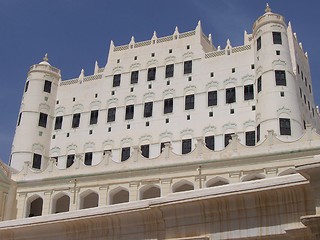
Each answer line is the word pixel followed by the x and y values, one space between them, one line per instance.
pixel 277 101
pixel 33 132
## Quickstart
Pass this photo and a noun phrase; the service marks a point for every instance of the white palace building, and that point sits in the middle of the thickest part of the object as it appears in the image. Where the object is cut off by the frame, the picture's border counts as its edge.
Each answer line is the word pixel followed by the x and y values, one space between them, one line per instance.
pixel 172 139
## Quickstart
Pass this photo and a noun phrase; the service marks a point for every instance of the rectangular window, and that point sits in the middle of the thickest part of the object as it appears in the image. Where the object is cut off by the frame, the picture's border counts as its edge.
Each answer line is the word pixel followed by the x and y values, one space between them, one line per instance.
pixel 212 98
pixel 285 128
pixel 186 146
pixel 280 76
pixel 36 162
pixel 111 114
pixel 277 37
pixel 145 150
pixel 134 77
pixel 169 70
pixel 26 86
pixel 19 119
pixel 94 117
pixel 248 92
pixel 125 153
pixel 258 133
pixel 250 138
pixel 129 112
pixel 76 120
pixel 168 105
pixel 227 138
pixel 116 80
pixel 70 160
pixel 187 67
pixel 152 74
pixel 58 123
pixel 230 95
pixel 148 106
pixel 88 158
pixel 259 84
pixel 258 43
pixel 189 102
pixel 43 117
pixel 209 141
pixel 47 86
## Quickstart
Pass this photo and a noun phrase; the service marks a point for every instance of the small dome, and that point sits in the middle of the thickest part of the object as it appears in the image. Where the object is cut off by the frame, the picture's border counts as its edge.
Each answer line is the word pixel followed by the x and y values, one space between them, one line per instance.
pixel 45 60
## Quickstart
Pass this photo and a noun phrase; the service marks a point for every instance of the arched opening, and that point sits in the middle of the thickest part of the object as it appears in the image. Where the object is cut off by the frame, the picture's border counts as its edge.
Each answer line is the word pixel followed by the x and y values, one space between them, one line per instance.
pixel 150 192
pixel 35 207
pixel 182 186
pixel 287 172
pixel 253 177
pixel 89 200
pixel 217 181
pixel 119 196
pixel 61 204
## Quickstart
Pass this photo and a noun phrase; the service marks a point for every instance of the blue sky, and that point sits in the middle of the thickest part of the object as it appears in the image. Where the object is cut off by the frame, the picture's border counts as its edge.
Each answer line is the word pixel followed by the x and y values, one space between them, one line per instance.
pixel 76 33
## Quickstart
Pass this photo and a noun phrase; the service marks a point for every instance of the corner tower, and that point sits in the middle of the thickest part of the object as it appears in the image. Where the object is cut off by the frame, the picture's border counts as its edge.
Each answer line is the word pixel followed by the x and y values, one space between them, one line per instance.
pixel 33 132
pixel 275 79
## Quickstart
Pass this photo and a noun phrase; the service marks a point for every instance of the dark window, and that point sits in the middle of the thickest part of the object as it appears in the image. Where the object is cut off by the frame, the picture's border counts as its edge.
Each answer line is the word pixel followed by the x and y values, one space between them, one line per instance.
pixel 111 114
pixel 58 123
pixel 19 119
pixel 116 80
pixel 252 66
pixel 26 86
pixel 212 98
pixel 209 141
pixel 43 120
pixel 277 37
pixel 162 145
pixel 310 88
pixel 94 117
pixel 129 112
pixel 145 150
pixel 148 106
pixel 298 68
pixel 134 77
pixel 169 70
pixel 36 163
pixel 125 153
pixel 230 95
pixel 70 159
pixel 227 137
pixel 76 120
pixel 168 105
pixel 151 74
pixel 187 67
pixel 258 133
pixel 88 158
pixel 280 76
pixel 47 86
pixel 285 128
pixel 258 43
pixel 248 92
pixel 189 102
pixel 259 84
pixel 278 52
pixel 186 146
pixel 305 99
pixel 233 70
pixel 300 93
pixel 250 138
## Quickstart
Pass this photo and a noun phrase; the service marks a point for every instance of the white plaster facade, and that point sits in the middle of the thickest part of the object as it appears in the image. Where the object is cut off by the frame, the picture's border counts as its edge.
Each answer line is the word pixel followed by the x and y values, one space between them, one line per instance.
pixel 75 181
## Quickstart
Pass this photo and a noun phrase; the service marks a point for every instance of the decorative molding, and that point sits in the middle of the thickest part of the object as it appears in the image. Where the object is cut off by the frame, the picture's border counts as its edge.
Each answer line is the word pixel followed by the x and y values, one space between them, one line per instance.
pixel 209 129
pixel 148 95
pixel 77 107
pixel 279 63
pixel 187 55
pixel 212 84
pixel 60 110
pixel 249 123
pixel 248 77
pixel 126 140
pixel 170 59
pixel 95 104
pixel 71 147
pixel 283 110
pixel 145 138
pixel 276 27
pixel 89 145
pixel 135 66
pixel 259 70
pixel 170 91
pixel 55 150
pixel 152 62
pixel 187 131
pixel 117 69
pixel 108 142
pixel 112 100
pixel 37 146
pixel 230 80
pixel 130 98
pixel 191 88
pixel 229 125
pixel 166 134
pixel 44 108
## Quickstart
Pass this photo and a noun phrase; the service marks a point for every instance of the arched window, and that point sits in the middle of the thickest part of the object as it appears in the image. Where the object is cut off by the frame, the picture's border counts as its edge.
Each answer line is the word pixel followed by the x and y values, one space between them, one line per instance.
pixel 34 206
pixel 252 177
pixel 119 195
pixel 89 199
pixel 150 191
pixel 182 186
pixel 217 181
pixel 60 203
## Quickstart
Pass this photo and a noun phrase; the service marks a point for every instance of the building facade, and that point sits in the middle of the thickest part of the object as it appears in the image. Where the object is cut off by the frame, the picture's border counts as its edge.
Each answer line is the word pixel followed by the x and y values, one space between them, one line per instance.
pixel 172 139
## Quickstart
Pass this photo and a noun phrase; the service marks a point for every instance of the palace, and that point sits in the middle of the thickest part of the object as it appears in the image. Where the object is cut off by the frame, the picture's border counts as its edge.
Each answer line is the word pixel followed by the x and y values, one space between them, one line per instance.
pixel 173 138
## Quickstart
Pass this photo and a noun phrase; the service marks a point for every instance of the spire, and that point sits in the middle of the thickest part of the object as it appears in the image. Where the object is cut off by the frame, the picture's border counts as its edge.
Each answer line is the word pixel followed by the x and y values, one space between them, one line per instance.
pixel 176 31
pixel 45 58
pixel 268 9
pixel 96 67
pixel 81 76
pixel 199 28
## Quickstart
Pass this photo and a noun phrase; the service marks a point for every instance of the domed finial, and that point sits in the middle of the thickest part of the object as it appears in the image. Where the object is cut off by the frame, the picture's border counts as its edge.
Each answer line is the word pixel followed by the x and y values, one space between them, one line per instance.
pixel 45 57
pixel 268 9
